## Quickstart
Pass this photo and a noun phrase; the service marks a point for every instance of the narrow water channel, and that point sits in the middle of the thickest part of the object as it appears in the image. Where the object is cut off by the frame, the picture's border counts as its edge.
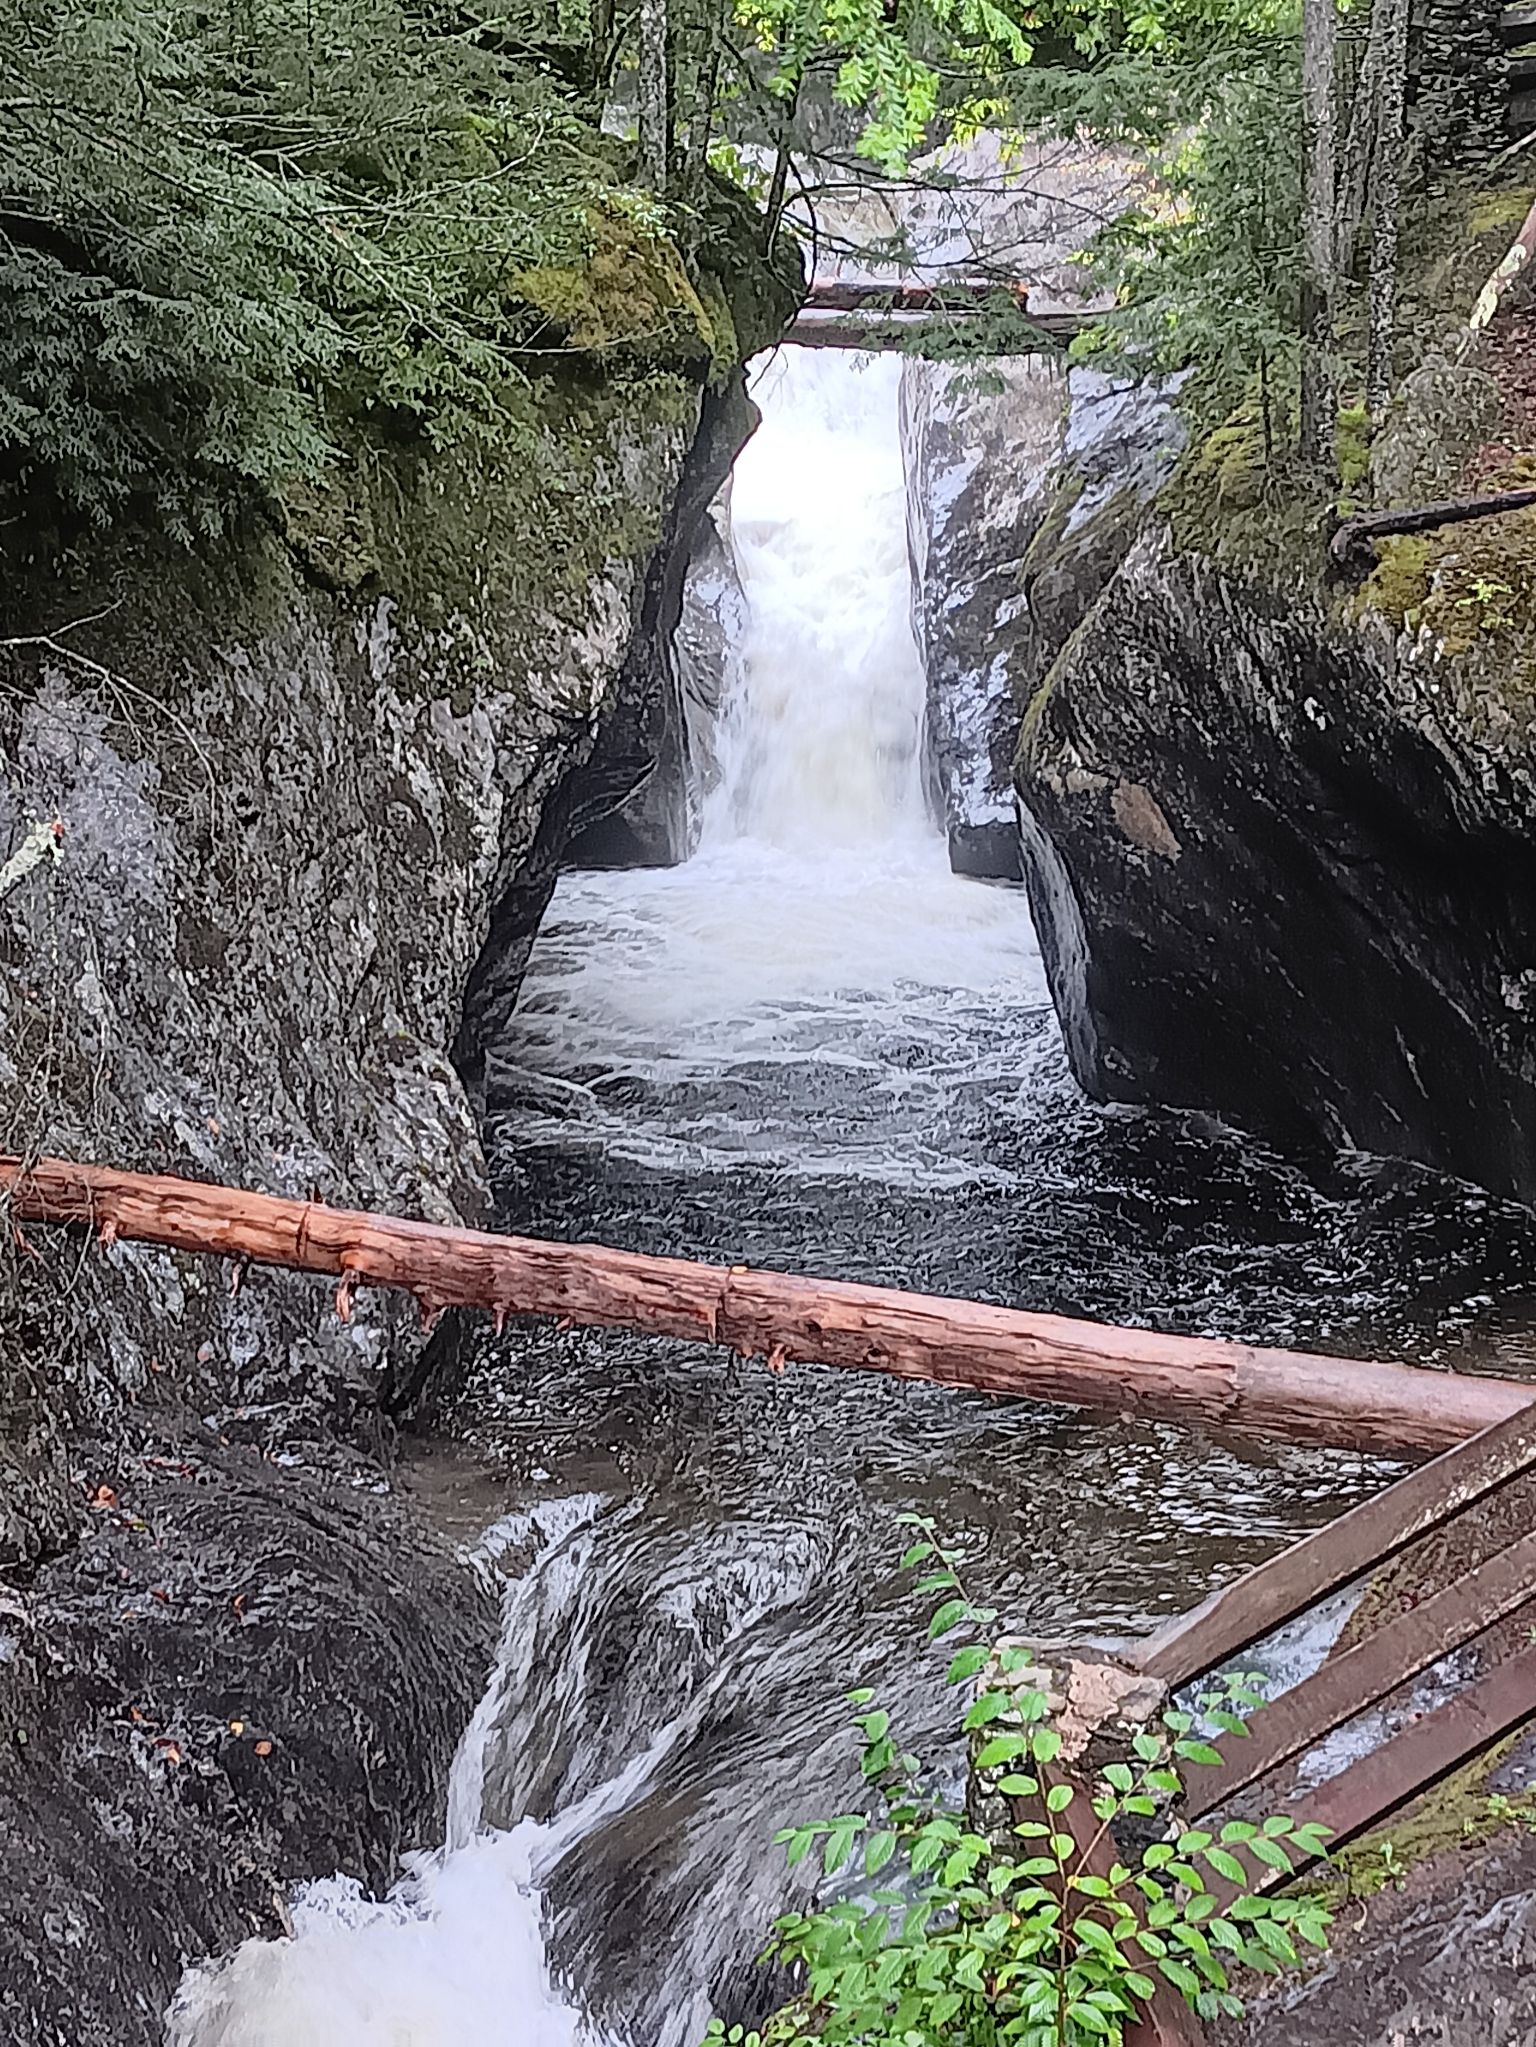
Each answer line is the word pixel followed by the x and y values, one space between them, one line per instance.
pixel 812 1047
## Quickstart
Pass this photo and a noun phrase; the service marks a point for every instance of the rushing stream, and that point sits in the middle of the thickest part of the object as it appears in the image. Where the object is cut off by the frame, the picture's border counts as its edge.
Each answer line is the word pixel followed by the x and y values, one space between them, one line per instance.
pixel 812 1047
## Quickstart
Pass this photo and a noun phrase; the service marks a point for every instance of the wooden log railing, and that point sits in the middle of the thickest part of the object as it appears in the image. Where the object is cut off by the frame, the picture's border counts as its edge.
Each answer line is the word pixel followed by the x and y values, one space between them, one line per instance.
pixel 847 313
pixel 1391 1409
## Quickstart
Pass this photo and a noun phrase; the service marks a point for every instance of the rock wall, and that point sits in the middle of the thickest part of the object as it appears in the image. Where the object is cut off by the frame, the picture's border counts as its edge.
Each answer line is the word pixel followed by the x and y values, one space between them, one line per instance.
pixel 1025 484
pixel 299 804
pixel 982 452
pixel 1282 867
pixel 1277 824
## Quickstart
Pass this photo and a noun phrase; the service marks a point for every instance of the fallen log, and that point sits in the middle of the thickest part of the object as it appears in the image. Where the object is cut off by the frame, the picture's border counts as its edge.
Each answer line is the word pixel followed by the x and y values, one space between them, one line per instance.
pixel 1351 544
pixel 941 295
pixel 837 313
pixel 1390 1409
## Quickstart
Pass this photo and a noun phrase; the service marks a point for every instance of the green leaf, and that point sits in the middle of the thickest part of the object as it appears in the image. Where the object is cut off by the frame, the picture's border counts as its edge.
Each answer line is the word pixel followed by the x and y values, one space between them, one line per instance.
pixel 1058 1798
pixel 1180 1975
pixel 949 1615
pixel 936 1581
pixel 1002 1748
pixel 1089 2017
pixel 1227 1865
pixel 878 1850
pixel 1270 1852
pixel 1199 1752
pixel 917 1554
pixel 1095 1936
pixel 966 1663
pixel 989 1707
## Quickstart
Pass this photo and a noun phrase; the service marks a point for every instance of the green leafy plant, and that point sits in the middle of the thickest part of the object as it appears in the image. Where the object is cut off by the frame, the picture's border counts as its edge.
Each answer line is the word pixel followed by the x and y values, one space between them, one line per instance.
pixel 943 1929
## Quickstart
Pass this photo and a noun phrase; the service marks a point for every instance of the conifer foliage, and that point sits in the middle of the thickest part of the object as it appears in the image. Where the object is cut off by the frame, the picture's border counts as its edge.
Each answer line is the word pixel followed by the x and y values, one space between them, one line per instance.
pixel 233 235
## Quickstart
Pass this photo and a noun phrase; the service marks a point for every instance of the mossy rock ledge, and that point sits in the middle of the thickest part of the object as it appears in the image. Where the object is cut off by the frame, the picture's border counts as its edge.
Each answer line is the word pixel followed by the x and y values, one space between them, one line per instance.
pixel 1281 844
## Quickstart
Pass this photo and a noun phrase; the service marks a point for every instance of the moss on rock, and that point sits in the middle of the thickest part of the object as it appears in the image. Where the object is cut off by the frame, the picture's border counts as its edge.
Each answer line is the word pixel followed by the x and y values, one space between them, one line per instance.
pixel 1471 588
pixel 1238 494
pixel 1455 1815
pixel 631 293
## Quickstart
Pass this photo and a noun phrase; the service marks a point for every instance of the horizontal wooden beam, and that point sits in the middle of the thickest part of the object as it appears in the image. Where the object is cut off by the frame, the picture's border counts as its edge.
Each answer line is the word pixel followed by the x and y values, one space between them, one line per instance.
pixel 838 313
pixel 1368 1673
pixel 1418 1756
pixel 1388 1408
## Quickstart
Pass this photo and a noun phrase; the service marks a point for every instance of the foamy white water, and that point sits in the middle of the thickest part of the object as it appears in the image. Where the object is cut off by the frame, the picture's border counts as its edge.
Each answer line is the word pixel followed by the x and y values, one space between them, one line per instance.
pixel 819 923
pixel 454 1955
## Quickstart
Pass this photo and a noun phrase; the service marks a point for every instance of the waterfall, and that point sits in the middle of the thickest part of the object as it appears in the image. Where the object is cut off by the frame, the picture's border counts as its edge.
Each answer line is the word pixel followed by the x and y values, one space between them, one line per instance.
pixel 810 1047
pixel 453 1957
pixel 819 750
pixel 814 995
pixel 819 921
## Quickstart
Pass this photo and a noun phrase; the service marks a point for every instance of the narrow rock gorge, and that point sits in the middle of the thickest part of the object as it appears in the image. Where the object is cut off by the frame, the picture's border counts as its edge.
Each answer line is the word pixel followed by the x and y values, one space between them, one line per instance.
pixel 489 732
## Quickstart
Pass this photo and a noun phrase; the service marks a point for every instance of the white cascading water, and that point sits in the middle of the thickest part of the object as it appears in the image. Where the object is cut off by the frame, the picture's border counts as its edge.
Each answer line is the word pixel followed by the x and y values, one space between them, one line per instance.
pixel 819 916
pixel 818 925
pixel 455 1955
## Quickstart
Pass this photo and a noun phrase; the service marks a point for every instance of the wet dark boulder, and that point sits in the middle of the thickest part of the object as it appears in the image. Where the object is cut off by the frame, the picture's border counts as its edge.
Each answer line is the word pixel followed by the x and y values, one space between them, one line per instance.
pixel 1282 859
pixel 241 1675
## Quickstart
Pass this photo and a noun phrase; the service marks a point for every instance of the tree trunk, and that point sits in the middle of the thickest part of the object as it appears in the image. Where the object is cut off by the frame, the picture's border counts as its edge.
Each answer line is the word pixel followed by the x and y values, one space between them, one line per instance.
pixel 1379 379
pixel 600 31
pixel 705 85
pixel 655 94
pixel 775 203
pixel 1319 99
pixel 1389 1409
pixel 1361 147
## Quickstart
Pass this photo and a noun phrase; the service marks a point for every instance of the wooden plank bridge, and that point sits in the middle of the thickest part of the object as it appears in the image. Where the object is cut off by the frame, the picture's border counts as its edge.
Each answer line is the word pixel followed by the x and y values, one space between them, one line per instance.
pixel 844 313
pixel 1459 1537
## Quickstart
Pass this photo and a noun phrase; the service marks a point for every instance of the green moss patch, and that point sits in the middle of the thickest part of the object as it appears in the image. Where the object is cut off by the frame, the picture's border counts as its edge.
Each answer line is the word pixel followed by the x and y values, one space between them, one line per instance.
pixel 1472 587
pixel 1242 496
pixel 1501 213
pixel 631 293
pixel 1456 1815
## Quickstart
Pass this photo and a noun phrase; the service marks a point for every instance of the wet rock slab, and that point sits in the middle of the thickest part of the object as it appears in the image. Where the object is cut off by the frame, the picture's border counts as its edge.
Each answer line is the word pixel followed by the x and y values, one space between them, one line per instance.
pixel 242 1676
pixel 1447 1959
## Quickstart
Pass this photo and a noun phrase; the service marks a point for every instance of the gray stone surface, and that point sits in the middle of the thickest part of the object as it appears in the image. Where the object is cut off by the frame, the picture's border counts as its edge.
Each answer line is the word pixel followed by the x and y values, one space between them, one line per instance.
pixel 1025 486
pixel 1281 868
pixel 982 451
pixel 1446 1960
pixel 305 835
